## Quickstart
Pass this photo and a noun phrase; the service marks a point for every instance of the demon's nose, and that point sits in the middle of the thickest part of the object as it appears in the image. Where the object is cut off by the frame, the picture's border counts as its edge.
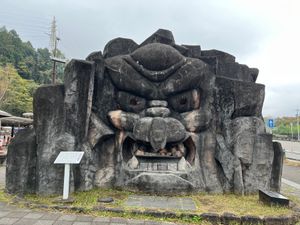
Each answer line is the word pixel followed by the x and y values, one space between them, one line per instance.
pixel 157 134
pixel 159 131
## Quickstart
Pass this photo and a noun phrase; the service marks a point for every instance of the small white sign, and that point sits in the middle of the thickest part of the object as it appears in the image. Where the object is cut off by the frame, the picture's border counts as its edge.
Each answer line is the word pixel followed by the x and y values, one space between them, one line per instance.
pixel 69 157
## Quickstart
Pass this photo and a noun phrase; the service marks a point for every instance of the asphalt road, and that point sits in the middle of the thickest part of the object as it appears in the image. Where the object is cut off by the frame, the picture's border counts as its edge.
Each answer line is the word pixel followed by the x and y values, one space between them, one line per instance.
pixel 291 148
pixel 291 173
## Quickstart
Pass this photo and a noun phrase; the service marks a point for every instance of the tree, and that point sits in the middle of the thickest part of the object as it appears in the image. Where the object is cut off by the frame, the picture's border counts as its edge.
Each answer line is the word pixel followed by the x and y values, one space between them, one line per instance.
pixel 18 96
pixel 4 82
pixel 22 69
pixel 30 64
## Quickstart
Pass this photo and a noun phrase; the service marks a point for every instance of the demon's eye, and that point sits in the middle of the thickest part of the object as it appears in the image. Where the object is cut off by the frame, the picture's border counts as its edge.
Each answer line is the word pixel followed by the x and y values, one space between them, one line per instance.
pixel 186 101
pixel 183 101
pixel 133 101
pixel 130 103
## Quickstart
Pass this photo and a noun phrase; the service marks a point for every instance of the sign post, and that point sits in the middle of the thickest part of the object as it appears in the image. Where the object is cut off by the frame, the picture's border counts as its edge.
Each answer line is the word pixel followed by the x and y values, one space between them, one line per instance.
pixel 271 123
pixel 67 158
pixel 66 181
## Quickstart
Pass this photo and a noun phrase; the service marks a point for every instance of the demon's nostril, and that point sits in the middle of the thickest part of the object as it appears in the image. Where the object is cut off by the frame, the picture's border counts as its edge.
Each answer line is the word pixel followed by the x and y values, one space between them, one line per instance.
pixel 158 112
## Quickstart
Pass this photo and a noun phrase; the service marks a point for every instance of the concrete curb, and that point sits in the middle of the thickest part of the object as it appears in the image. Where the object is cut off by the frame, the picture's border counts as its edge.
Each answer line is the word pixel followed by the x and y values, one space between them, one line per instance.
pixel 214 218
pixel 290 183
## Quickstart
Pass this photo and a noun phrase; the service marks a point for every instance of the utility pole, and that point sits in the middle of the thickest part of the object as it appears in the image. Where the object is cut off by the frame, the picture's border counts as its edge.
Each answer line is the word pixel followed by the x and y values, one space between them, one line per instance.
pixel 298 124
pixel 54 62
pixel 53 47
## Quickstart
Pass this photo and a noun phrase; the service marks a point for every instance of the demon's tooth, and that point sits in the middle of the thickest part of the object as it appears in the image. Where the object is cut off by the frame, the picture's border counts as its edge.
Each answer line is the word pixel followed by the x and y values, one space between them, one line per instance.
pixel 133 163
pixel 178 154
pixel 173 151
pixel 139 152
pixel 182 165
pixel 181 148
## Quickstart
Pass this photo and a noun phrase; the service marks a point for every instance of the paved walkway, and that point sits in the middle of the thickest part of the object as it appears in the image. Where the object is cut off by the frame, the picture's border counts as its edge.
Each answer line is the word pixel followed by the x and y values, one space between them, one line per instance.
pixel 17 216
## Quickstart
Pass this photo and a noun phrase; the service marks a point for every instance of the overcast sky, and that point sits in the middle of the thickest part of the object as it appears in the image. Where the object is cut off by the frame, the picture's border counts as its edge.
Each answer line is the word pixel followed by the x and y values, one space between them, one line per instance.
pixel 260 33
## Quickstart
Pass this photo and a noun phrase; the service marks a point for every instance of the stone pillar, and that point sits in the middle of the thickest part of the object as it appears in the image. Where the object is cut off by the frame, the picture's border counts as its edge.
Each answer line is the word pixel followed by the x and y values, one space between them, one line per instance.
pixel 48 123
pixel 79 87
pixel 277 166
pixel 21 163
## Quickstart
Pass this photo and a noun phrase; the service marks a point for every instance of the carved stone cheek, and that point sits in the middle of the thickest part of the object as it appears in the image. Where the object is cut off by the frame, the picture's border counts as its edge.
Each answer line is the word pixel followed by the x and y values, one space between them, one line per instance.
pixel 196 120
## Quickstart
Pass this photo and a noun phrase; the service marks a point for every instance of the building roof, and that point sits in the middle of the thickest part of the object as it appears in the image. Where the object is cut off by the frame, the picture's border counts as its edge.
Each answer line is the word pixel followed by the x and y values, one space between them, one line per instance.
pixel 15 121
pixel 4 114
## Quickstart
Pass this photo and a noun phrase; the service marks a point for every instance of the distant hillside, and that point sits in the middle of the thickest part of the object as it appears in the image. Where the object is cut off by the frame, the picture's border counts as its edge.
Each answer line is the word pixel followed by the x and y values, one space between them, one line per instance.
pixel 31 64
pixel 22 70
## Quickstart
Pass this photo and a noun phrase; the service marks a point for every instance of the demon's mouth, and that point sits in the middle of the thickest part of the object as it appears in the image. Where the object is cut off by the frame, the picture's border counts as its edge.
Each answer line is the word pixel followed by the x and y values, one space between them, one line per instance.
pixel 174 157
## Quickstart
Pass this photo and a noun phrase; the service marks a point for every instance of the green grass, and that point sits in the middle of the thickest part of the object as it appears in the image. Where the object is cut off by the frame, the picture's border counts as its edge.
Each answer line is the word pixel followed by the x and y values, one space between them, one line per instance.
pixel 239 205
pixel 291 193
pixel 85 199
pixel 230 203
pixel 5 197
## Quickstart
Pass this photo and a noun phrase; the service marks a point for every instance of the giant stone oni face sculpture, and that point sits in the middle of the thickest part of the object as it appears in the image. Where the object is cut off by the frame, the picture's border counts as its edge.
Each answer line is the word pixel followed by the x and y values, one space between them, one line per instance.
pixel 157 117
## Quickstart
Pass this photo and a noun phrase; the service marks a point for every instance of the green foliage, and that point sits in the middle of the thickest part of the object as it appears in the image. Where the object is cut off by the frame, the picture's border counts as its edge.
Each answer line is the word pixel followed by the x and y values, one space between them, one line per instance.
pixel 22 69
pixel 30 64
pixel 283 126
pixel 17 98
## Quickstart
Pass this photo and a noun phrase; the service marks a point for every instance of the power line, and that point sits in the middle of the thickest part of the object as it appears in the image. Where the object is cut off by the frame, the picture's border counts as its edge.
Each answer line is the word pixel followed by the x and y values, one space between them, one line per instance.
pixel 23 14
pixel 27 25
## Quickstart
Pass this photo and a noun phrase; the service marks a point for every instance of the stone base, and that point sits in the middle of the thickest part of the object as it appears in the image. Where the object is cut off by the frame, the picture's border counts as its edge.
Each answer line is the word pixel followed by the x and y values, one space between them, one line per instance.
pixel 160 183
pixel 70 200
pixel 273 198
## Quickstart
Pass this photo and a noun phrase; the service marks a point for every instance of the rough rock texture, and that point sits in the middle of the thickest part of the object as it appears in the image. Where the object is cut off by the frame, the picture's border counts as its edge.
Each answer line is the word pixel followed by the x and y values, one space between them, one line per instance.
pixel 79 87
pixel 158 117
pixel 21 178
pixel 119 46
pixel 48 106
pixel 277 166
pixel 224 65
pixel 160 36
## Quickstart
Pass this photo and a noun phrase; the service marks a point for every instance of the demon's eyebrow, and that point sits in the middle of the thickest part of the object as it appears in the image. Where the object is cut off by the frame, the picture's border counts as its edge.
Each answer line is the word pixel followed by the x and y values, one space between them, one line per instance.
pixel 155 76
pixel 126 78
pixel 193 74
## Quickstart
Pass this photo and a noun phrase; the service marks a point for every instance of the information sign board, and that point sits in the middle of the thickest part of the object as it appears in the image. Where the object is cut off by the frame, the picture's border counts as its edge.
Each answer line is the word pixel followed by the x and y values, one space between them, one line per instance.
pixel 70 157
